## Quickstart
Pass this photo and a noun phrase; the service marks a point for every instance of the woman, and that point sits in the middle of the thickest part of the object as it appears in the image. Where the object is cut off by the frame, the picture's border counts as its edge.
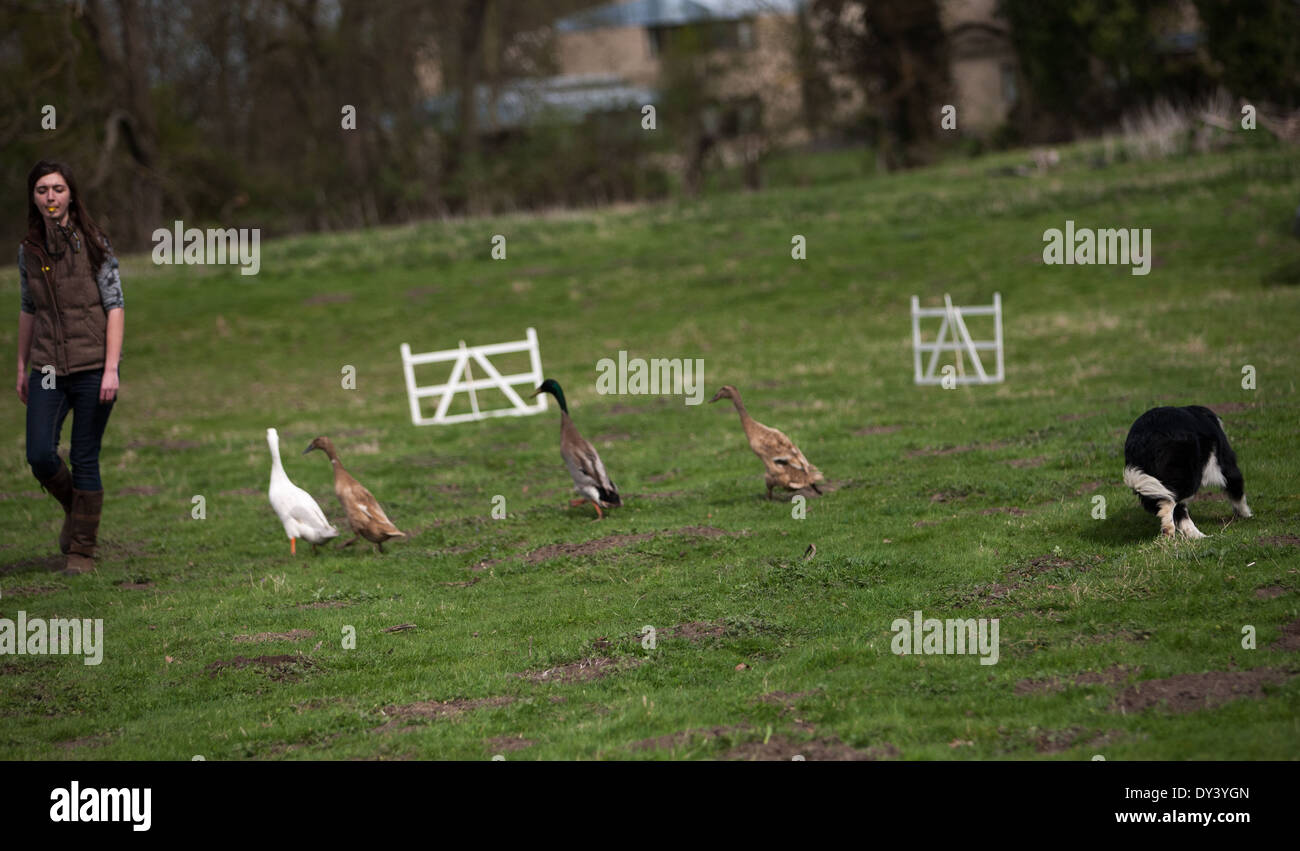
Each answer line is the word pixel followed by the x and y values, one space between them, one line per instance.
pixel 69 344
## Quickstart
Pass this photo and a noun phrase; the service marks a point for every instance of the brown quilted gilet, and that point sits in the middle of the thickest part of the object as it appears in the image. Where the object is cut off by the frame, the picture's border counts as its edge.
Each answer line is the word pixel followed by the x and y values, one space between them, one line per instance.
pixel 71 329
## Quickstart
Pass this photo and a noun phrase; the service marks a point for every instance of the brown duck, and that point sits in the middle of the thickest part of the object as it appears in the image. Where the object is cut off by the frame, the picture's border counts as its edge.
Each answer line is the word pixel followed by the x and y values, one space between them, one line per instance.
pixel 786 466
pixel 365 516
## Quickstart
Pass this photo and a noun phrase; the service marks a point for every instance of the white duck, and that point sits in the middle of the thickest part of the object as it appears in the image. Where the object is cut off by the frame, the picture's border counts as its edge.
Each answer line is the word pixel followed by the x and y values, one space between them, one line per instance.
pixel 301 516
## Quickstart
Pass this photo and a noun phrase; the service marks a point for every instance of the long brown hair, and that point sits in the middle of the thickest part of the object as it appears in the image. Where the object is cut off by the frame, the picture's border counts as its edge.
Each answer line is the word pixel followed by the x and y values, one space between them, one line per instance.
pixel 96 239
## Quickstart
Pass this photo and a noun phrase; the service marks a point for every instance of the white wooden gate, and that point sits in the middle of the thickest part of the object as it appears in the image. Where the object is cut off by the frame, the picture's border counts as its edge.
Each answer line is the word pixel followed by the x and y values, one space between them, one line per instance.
pixel 461 367
pixel 954 326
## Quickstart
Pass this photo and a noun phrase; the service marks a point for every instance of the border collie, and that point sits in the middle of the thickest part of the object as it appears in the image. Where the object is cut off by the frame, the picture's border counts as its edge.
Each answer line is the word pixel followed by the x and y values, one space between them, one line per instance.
pixel 1170 454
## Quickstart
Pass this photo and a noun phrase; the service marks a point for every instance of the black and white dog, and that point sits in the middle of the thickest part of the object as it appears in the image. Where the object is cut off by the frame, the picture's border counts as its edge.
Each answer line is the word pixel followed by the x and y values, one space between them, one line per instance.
pixel 1170 454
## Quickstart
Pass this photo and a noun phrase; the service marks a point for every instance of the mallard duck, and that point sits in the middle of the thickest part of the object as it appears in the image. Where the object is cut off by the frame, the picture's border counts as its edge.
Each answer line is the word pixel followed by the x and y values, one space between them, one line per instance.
pixel 365 516
pixel 589 476
pixel 301 516
pixel 786 466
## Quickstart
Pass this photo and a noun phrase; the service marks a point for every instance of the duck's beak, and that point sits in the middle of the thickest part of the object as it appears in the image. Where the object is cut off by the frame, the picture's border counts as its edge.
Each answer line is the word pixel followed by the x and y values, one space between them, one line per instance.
pixel 309 448
pixel 716 397
pixel 534 393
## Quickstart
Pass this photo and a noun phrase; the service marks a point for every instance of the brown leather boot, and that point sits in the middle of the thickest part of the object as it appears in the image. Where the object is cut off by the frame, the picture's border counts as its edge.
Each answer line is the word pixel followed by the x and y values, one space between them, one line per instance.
pixel 59 486
pixel 86 507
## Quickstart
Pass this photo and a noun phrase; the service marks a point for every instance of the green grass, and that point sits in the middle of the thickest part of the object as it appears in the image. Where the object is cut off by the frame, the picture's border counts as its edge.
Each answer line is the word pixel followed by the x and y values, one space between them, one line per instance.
pixel 820 349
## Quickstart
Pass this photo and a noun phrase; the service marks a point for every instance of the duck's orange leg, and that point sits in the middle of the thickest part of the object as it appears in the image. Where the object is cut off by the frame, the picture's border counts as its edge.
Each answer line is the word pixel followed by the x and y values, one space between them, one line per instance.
pixel 293 546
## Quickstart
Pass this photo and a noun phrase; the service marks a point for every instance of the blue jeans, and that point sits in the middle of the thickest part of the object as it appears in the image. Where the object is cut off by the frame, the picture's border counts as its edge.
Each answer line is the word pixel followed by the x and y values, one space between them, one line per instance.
pixel 77 393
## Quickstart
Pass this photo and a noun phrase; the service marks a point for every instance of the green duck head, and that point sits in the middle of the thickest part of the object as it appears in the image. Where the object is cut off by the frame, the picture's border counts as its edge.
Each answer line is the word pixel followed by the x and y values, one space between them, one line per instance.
pixel 552 386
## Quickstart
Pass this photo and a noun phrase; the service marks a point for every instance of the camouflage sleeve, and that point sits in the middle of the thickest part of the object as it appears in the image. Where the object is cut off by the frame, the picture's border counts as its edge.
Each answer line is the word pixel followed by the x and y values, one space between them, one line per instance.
pixel 110 282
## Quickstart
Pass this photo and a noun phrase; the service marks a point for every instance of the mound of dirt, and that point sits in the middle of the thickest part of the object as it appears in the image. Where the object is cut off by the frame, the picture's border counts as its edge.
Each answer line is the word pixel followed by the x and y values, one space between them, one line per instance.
pixel 1281 540
pixel 1112 677
pixel 261 637
pixel 672 741
pixel 1290 639
pixel 282 667
pixel 819 750
pixel 1193 692
pixel 433 709
pixel 504 744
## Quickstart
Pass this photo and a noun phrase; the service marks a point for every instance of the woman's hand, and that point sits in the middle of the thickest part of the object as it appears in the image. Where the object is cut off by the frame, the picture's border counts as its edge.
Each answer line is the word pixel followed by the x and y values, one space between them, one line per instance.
pixel 22 387
pixel 108 386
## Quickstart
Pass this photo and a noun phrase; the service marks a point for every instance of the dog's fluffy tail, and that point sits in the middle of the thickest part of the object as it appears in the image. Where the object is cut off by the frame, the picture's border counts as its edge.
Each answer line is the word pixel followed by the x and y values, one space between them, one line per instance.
pixel 1145 485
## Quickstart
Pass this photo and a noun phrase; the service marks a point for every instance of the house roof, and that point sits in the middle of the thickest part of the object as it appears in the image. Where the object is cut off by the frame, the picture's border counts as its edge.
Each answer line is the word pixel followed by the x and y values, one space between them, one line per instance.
pixel 659 13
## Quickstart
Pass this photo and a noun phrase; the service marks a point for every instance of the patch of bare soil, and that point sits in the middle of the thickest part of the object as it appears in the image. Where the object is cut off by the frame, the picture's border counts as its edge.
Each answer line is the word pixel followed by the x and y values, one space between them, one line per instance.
pixel 22 495
pixel 324 604
pixel 465 584
pixel 1193 692
pixel 261 637
pixel 432 709
pixel 284 667
pixel 787 699
pixel 580 671
pixel 1290 639
pixel 1019 576
pixel 1112 677
pixel 695 630
pixel 870 430
pixel 328 298
pixel 598 545
pixel 31 590
pixel 139 490
pixel 1006 509
pixel 691 631
pixel 41 563
pixel 1281 540
pixel 95 740
pixel 1231 407
pixel 948 496
pixel 1268 592
pixel 1057 741
pixel 672 741
pixel 1087 487
pixel 505 744
pixel 134 586
pixel 819 750
pixel 1026 463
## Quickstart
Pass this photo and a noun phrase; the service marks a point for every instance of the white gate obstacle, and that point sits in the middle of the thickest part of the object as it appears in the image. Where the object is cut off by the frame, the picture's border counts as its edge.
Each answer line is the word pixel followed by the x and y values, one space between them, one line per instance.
pixel 954 326
pixel 480 354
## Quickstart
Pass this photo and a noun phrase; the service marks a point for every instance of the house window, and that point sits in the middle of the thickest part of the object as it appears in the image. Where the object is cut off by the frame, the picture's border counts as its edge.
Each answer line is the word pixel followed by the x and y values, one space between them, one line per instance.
pixel 716 35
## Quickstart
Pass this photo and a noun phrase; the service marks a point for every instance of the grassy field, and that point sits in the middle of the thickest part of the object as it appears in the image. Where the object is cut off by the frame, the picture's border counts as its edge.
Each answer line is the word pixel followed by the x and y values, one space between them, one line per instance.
pixel 975 502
